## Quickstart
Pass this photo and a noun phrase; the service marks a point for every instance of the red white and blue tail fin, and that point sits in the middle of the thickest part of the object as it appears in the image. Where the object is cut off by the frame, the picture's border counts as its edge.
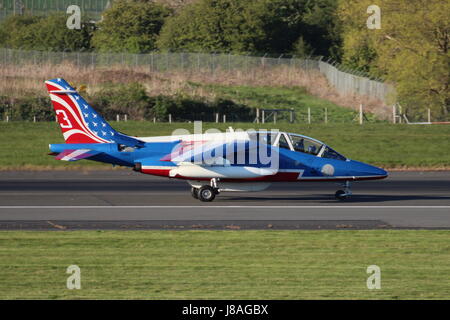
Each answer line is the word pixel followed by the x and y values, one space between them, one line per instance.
pixel 79 122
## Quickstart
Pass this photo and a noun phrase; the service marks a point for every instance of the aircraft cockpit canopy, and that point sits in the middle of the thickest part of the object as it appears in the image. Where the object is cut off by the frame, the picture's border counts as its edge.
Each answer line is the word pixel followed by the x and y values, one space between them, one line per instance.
pixel 299 143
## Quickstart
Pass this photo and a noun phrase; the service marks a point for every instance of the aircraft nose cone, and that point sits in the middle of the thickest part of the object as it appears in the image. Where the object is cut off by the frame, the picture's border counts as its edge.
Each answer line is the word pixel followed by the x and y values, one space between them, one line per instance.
pixel 364 169
pixel 379 171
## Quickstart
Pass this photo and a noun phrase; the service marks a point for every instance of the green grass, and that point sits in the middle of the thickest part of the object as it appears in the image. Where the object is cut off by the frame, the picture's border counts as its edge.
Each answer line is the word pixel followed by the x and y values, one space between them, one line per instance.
pixel 295 98
pixel 225 264
pixel 25 144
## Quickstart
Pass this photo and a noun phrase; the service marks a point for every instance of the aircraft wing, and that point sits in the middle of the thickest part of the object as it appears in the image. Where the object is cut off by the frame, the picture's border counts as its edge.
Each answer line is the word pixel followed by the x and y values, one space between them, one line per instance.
pixel 74 155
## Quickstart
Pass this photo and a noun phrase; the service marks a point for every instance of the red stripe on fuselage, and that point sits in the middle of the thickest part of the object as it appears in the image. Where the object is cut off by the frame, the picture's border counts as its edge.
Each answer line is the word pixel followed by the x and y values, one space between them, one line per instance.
pixel 157 172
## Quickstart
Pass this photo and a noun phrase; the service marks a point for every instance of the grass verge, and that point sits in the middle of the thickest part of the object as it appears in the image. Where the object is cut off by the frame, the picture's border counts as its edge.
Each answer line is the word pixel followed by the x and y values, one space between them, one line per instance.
pixel 225 264
pixel 24 145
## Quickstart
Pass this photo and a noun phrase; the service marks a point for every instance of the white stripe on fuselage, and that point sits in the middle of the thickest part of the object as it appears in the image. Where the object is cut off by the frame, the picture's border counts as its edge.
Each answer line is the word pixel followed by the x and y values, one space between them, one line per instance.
pixel 74 154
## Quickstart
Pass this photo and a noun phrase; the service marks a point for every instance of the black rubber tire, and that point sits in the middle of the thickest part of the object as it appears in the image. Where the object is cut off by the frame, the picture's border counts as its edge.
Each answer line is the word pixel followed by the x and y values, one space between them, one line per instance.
pixel 340 195
pixel 206 194
pixel 194 192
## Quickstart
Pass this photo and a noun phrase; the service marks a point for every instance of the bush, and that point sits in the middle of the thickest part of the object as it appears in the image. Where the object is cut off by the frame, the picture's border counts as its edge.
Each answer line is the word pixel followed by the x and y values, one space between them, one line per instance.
pixel 192 109
pixel 252 26
pixel 13 28
pixel 26 108
pixel 130 26
pixel 44 33
pixel 234 111
pixel 130 99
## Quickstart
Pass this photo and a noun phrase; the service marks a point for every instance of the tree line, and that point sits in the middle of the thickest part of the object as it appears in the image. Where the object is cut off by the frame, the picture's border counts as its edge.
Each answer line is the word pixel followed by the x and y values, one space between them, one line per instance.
pixel 410 49
pixel 300 27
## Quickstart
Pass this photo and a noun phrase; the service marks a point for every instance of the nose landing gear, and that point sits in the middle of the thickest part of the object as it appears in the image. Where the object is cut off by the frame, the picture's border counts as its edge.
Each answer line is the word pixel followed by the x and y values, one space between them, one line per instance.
pixel 344 194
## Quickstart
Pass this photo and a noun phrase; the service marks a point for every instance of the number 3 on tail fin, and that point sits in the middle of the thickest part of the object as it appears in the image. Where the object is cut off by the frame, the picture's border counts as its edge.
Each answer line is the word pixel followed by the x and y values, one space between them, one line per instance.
pixel 64 121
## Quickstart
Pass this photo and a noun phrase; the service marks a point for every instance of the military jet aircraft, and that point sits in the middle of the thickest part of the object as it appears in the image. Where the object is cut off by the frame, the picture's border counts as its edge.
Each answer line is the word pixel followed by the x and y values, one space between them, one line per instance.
pixel 210 162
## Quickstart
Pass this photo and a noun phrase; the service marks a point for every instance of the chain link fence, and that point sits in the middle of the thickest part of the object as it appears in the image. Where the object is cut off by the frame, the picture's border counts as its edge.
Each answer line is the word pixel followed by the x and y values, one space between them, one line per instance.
pixel 344 82
pixel 92 8
pixel 349 83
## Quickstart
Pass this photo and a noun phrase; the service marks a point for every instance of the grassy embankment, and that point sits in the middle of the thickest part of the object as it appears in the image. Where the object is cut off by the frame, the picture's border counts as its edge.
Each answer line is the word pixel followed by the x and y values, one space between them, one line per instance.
pixel 225 264
pixel 25 145
pixel 296 98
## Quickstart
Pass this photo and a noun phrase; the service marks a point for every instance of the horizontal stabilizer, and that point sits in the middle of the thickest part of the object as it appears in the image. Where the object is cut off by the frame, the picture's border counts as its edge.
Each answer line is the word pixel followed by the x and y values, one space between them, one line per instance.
pixel 63 91
pixel 74 155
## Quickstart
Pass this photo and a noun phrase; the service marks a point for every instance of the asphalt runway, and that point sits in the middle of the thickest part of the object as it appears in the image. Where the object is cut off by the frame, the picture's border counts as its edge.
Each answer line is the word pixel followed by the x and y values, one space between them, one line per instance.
pixel 66 200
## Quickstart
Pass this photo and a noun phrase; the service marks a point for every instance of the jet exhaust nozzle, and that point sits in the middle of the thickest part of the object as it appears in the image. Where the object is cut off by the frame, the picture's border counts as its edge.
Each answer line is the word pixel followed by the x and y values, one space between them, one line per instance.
pixel 137 167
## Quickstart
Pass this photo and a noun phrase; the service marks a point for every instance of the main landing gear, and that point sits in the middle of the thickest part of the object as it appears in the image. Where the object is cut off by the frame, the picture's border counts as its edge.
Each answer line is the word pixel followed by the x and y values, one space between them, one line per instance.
pixel 206 193
pixel 344 194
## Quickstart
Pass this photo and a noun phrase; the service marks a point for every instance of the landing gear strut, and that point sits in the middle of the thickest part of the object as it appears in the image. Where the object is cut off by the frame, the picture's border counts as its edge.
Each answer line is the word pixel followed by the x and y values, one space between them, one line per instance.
pixel 206 193
pixel 344 194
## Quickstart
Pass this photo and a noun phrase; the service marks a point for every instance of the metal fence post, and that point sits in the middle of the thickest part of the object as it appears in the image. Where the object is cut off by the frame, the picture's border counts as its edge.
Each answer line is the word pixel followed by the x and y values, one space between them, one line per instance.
pixel 152 63
pixel 198 62
pixel 167 61
pixel 393 114
pixel 360 113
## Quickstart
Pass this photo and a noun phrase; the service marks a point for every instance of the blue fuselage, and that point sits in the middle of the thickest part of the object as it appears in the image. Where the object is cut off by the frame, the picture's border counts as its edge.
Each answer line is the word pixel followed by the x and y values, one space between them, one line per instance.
pixel 151 154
